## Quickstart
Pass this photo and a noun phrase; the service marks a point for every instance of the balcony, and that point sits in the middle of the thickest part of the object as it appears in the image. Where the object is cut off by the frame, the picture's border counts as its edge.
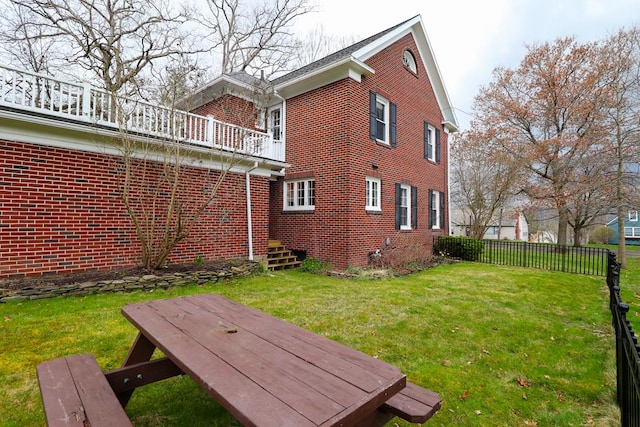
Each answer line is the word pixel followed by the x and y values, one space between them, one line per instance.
pixel 31 93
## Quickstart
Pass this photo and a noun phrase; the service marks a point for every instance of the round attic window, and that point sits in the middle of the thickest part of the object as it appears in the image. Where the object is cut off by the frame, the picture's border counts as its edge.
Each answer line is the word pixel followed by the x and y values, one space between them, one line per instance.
pixel 409 61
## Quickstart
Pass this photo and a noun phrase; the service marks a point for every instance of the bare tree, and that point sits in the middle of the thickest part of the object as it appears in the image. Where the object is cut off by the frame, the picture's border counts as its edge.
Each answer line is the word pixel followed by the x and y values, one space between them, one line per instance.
pixel 252 35
pixel 481 185
pixel 545 115
pixel 317 44
pixel 167 186
pixel 622 52
pixel 112 40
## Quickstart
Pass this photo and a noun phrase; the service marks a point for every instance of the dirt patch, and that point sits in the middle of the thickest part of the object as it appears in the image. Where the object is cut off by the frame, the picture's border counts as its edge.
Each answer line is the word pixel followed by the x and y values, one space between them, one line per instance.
pixel 16 283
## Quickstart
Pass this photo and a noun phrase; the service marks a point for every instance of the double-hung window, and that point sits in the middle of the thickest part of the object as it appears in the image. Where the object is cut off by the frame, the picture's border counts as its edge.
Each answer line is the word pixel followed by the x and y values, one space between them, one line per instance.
pixel 431 143
pixel 436 209
pixel 300 194
pixel 633 216
pixel 373 194
pixel 406 207
pixel 275 123
pixel 382 119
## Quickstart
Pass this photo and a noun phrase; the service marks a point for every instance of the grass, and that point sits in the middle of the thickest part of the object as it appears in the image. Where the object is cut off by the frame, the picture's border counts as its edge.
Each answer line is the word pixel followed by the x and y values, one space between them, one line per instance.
pixel 502 346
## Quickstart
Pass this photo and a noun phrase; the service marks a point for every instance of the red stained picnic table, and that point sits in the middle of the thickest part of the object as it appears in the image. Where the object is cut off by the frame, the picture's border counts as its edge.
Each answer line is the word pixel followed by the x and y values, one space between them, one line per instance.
pixel 263 370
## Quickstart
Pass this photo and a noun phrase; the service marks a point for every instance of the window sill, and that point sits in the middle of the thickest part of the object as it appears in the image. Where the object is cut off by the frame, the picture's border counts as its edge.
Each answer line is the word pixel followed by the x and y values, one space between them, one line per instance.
pixel 300 211
pixel 373 211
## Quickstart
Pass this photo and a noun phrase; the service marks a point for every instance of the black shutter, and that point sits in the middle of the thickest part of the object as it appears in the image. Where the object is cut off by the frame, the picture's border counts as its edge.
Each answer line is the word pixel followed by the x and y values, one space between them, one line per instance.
pixel 431 218
pixel 393 118
pixel 437 146
pixel 414 207
pixel 398 206
pixel 372 115
pixel 426 140
pixel 442 211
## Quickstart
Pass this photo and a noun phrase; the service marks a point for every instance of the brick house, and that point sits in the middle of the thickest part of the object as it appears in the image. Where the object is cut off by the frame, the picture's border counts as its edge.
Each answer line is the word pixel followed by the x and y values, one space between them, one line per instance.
pixel 366 132
pixel 341 158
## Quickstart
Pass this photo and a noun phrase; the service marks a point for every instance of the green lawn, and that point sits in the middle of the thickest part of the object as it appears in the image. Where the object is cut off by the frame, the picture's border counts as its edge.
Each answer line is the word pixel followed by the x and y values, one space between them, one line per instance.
pixel 503 346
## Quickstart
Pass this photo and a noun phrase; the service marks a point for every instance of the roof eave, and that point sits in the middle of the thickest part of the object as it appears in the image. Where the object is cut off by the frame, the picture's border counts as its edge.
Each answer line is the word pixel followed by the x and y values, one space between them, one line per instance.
pixel 349 67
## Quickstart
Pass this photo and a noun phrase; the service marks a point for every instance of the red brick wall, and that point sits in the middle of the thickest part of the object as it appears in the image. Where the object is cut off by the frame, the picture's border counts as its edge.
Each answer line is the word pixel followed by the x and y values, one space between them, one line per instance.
pixel 60 212
pixel 334 144
pixel 230 109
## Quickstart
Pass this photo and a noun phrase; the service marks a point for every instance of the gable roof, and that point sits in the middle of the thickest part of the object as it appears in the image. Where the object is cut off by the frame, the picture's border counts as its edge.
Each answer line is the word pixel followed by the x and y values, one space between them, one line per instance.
pixel 345 63
pixel 332 58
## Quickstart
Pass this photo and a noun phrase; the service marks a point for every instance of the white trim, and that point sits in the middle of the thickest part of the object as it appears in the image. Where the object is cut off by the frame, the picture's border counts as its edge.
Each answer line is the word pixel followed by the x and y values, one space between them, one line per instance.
pixel 306 195
pixel 386 120
pixel 435 207
pixel 407 188
pixel 346 68
pixel 377 207
pixel 431 155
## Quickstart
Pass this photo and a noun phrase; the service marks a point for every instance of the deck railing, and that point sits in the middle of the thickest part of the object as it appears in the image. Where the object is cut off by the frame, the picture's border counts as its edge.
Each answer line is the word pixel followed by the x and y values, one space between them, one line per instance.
pixel 36 93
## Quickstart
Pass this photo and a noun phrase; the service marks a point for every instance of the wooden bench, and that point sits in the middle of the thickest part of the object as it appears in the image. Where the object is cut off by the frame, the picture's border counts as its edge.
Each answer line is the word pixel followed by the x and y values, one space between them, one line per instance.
pixel 413 403
pixel 75 392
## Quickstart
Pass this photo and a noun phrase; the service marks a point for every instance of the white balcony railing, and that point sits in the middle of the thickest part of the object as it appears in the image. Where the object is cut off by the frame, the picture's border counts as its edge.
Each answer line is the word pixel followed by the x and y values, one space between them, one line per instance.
pixel 36 93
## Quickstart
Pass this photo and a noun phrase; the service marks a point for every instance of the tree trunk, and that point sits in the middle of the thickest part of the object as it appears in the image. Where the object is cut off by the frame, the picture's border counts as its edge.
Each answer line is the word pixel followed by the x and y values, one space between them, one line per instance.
pixel 622 249
pixel 563 222
pixel 577 237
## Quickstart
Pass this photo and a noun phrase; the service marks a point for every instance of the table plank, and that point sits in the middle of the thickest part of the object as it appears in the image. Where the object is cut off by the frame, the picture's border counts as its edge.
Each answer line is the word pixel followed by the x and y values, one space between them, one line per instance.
pixel 245 400
pixel 330 355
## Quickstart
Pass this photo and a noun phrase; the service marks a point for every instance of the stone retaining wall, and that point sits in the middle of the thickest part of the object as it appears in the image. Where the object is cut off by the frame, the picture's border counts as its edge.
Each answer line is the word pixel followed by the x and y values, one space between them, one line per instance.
pixel 129 284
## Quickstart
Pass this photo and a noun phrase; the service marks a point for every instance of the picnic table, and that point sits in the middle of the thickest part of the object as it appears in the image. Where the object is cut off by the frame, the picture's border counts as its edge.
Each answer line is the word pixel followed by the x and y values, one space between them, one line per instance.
pixel 263 370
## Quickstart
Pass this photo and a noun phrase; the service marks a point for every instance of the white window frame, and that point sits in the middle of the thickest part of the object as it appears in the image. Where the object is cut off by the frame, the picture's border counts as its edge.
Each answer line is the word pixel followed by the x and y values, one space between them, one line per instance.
pixel 373 194
pixel 435 208
pixel 633 216
pixel 405 203
pixel 409 61
pixel 431 145
pixel 386 119
pixel 299 195
pixel 271 125
pixel 631 232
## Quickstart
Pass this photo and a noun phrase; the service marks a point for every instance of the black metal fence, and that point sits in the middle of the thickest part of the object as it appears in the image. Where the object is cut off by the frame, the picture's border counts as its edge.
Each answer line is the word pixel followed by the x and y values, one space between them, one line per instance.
pixel 627 350
pixel 582 260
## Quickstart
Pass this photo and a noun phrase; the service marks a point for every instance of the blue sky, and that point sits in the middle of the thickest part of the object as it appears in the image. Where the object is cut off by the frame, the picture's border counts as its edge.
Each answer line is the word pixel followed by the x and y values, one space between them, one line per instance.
pixel 470 37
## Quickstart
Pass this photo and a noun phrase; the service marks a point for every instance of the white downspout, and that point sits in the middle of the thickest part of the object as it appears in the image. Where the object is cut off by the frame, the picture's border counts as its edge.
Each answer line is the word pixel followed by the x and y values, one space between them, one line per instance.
pixel 249 223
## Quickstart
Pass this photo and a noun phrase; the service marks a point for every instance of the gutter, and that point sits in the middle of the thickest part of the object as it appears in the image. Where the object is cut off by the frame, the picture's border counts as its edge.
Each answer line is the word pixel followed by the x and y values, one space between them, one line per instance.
pixel 247 178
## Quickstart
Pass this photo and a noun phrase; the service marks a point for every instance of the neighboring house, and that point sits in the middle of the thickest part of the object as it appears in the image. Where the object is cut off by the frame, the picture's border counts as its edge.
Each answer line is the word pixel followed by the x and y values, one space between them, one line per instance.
pixel 513 226
pixel 341 158
pixel 631 229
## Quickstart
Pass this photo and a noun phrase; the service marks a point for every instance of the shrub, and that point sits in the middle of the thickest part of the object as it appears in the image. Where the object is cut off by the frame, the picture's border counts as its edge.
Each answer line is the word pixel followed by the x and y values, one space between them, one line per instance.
pixel 459 247
pixel 603 234
pixel 315 266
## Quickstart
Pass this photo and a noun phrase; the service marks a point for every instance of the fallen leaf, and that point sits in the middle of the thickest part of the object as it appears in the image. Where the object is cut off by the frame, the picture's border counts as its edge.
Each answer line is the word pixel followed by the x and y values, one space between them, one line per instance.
pixel 524 396
pixel 485 351
pixel 523 382
pixel 478 412
pixel 533 423
pixel 465 395
pixel 553 339
pixel 7 318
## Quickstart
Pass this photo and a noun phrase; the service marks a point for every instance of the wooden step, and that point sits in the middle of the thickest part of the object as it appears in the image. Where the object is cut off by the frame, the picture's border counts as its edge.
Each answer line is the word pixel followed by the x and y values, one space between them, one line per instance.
pixel 279 258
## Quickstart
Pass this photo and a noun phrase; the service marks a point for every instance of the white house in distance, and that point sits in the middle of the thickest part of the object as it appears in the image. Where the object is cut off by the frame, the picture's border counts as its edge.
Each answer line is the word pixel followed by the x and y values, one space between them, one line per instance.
pixel 513 226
